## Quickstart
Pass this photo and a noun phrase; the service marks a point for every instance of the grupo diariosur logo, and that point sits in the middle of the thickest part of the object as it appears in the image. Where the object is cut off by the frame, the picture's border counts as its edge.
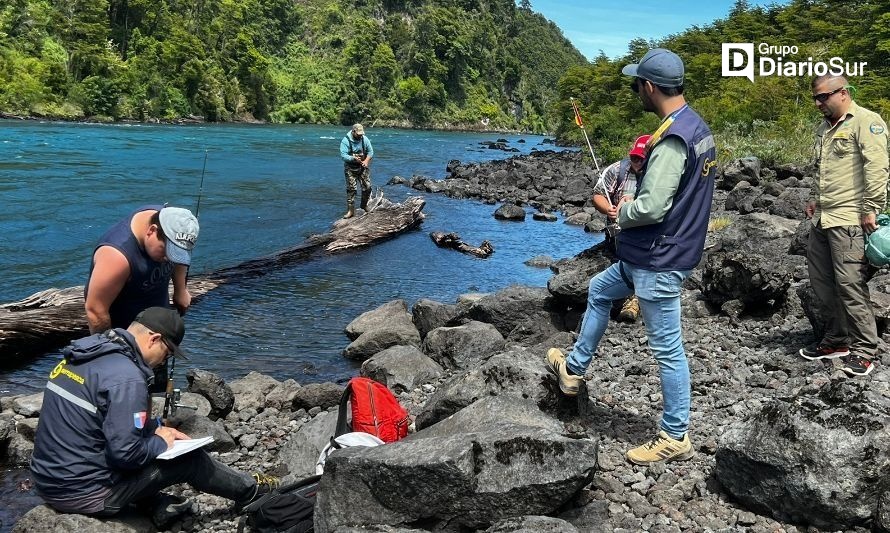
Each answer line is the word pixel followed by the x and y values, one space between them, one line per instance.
pixel 738 59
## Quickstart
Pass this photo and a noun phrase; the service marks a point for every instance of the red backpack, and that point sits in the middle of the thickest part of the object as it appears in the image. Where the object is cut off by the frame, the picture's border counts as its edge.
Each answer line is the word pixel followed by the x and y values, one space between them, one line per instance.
pixel 374 410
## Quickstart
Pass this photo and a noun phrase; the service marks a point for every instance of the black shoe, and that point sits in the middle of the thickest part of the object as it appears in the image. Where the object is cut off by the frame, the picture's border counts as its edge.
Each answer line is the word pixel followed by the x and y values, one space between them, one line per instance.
pixel 167 509
pixel 857 366
pixel 814 353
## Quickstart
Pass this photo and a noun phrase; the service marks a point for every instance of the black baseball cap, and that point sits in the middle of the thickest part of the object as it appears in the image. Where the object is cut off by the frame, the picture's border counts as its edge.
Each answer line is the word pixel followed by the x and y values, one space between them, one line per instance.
pixel 168 323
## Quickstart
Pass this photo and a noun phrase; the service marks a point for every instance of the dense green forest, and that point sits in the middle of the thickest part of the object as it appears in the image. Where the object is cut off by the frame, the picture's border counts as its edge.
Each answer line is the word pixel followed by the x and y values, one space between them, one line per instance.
pixel 774 117
pixel 451 63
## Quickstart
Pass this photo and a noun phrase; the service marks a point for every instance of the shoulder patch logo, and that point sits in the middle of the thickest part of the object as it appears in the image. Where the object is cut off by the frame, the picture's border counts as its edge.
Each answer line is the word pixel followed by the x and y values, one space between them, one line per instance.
pixel 139 419
pixel 876 128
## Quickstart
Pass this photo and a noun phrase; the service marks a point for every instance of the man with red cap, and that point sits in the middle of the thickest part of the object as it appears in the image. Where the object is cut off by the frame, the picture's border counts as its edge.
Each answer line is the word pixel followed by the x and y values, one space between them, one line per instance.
pixel 617 183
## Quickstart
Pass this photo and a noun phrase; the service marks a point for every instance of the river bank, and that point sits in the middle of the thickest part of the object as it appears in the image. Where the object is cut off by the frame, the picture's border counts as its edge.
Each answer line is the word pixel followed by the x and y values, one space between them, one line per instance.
pixel 782 444
pixel 250 119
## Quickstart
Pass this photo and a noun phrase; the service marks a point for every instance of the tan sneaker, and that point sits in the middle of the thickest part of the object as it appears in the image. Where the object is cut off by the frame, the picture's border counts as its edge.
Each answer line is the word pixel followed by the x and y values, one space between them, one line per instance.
pixel 662 448
pixel 569 384
pixel 630 310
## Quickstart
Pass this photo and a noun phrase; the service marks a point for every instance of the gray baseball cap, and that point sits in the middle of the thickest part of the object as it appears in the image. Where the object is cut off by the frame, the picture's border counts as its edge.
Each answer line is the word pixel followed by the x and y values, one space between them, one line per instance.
pixel 660 66
pixel 180 227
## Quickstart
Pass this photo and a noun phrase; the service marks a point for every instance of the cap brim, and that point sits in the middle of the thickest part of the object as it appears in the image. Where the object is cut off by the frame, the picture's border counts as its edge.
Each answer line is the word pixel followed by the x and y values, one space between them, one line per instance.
pixel 630 70
pixel 178 255
pixel 177 351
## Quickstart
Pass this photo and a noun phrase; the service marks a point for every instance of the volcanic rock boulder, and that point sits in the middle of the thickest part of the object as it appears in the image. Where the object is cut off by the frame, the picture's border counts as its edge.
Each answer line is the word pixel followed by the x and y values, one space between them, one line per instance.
pixel 499 458
pixel 820 458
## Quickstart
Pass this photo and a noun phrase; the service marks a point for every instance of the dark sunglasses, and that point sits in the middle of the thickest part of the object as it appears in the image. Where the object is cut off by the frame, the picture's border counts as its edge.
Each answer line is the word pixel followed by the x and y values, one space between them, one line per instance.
pixel 822 97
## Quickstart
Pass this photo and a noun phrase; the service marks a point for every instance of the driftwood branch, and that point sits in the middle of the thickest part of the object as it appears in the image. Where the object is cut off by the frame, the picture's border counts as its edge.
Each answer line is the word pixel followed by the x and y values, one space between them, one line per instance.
pixel 51 318
pixel 452 240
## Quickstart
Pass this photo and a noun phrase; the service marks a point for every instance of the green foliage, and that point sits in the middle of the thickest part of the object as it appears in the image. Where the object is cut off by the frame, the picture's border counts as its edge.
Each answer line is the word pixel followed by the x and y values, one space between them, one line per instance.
pixel 456 62
pixel 772 118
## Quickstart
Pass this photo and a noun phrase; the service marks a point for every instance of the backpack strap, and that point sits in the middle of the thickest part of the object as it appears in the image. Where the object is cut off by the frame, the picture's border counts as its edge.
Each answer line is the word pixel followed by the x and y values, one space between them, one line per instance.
pixel 342 424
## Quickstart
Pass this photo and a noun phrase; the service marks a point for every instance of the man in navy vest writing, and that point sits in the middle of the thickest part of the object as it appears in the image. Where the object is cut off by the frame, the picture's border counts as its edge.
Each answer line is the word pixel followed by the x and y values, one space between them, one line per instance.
pixel 661 240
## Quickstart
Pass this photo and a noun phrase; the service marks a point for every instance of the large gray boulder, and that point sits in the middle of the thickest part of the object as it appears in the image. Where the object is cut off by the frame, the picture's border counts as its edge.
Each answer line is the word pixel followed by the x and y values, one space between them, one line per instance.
pixel 401 368
pixel 322 395
pixel 196 426
pixel 301 450
pixel 509 212
pixel 498 458
pixel 463 346
pixel 212 387
pixel 518 371
pixel 744 169
pixel 378 329
pixel 377 340
pixel 43 519
pixel 570 283
pixel 389 313
pixel 514 305
pixel 430 314
pixel 251 390
pixel 29 405
pixel 820 458
pixel 751 263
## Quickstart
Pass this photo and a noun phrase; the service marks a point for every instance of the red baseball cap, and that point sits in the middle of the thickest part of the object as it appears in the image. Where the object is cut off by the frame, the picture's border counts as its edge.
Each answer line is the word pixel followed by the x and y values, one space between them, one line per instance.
pixel 639 148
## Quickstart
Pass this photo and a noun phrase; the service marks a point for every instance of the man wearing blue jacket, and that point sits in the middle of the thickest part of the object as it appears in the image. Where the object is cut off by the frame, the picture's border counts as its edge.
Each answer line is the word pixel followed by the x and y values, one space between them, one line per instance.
pixel 356 152
pixel 96 446
pixel 662 238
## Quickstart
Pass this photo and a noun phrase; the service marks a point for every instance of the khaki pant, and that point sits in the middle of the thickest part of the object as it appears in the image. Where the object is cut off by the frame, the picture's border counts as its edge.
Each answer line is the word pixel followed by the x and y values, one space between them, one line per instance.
pixel 357 174
pixel 838 273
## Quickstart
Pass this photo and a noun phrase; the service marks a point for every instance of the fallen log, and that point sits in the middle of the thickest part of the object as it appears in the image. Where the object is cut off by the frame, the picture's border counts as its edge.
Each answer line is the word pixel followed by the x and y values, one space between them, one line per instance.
pixel 49 319
pixel 452 240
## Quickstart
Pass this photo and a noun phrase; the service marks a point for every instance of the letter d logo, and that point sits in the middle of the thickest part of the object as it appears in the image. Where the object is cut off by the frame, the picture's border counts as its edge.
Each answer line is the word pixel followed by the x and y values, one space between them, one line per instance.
pixel 738 60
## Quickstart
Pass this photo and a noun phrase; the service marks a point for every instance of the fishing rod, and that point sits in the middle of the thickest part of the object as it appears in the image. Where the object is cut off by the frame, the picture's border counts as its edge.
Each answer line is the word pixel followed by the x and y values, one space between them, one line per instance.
pixel 172 394
pixel 580 124
pixel 201 187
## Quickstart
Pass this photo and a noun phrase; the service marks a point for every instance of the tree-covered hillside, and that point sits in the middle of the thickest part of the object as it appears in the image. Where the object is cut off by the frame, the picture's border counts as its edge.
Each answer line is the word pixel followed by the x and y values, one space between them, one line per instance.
pixel 452 63
pixel 773 117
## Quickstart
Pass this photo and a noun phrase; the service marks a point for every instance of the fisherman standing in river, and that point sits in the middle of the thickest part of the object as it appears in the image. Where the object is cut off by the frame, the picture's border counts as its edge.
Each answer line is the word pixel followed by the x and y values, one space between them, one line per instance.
pixel 356 152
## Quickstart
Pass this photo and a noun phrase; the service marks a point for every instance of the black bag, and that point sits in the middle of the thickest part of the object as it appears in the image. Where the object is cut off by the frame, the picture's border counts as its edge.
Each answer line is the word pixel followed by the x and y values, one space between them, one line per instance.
pixel 288 508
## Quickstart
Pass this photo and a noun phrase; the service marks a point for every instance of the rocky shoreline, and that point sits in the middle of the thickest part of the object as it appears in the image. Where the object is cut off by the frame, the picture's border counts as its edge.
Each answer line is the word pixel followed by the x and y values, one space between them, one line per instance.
pixel 782 444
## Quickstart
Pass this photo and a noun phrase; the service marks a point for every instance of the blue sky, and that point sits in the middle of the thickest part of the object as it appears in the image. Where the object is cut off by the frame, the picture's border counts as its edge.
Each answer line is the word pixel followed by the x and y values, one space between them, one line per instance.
pixel 608 25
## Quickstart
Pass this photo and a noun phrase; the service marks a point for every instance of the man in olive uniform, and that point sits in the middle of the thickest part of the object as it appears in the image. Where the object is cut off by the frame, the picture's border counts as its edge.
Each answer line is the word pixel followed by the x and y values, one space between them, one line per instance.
pixel 356 152
pixel 850 190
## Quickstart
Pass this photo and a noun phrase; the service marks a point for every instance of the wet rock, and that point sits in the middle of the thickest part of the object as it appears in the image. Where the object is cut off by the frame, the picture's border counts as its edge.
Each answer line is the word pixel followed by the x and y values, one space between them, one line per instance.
pixel 539 261
pixel 19 450
pixel 544 217
pixel 27 428
pixel 509 212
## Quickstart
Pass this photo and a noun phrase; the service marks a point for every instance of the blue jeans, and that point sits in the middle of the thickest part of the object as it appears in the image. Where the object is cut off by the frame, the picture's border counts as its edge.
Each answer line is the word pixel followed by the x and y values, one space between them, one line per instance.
pixel 659 295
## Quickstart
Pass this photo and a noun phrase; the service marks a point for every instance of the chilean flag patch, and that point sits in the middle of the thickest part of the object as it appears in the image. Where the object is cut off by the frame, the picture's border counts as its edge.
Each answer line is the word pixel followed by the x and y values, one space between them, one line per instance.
pixel 139 420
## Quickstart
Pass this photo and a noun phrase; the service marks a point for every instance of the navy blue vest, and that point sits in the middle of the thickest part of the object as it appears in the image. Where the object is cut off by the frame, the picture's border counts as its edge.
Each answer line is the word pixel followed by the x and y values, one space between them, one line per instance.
pixel 149 281
pixel 677 242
